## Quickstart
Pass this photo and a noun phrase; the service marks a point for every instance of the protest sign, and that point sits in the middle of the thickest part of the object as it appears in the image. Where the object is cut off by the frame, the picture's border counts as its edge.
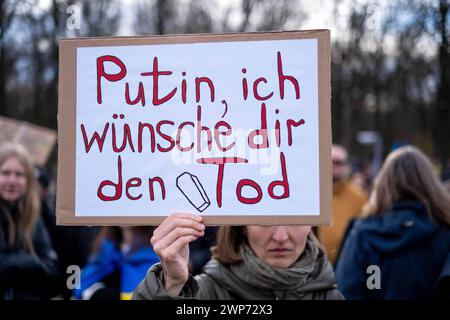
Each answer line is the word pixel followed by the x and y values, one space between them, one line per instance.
pixel 39 141
pixel 235 127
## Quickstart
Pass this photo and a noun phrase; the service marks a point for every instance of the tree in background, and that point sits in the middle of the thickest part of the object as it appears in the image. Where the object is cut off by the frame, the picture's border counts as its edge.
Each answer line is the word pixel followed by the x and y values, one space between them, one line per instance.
pixel 29 36
pixel 385 76
pixel 7 50
pixel 390 61
pixel 442 119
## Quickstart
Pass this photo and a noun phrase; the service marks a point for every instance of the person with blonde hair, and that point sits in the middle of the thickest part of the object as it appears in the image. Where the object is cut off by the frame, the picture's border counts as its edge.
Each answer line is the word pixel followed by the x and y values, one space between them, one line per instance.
pixel 28 267
pixel 401 248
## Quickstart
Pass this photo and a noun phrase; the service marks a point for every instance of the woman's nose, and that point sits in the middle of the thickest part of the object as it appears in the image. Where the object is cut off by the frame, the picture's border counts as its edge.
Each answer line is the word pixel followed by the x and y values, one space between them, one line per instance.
pixel 11 178
pixel 280 234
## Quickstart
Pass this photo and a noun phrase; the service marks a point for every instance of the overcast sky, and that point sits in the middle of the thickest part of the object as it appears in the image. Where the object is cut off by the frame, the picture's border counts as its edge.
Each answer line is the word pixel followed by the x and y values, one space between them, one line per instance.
pixel 320 14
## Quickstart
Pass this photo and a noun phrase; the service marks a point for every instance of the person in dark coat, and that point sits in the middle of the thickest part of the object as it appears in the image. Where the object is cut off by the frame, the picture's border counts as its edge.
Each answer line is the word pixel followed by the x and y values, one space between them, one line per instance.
pixel 72 244
pixel 405 236
pixel 249 263
pixel 28 264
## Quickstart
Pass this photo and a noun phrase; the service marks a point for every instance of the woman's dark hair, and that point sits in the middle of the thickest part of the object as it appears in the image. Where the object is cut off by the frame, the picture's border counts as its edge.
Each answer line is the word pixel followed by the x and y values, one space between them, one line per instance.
pixel 229 239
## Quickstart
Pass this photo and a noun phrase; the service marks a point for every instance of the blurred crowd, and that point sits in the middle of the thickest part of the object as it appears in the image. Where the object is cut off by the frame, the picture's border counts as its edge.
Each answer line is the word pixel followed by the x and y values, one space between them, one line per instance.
pixel 397 219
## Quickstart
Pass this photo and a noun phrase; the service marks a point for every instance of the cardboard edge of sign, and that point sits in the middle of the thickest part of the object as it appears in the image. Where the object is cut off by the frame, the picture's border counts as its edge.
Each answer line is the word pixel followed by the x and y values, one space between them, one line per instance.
pixel 65 204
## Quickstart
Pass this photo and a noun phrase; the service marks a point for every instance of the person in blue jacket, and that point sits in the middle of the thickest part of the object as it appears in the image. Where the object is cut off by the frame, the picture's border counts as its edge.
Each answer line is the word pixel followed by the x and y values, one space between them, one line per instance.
pixel 119 262
pixel 401 249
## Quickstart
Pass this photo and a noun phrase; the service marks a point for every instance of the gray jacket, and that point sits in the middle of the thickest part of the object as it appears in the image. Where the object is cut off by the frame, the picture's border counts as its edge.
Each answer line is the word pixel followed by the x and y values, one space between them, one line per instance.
pixel 218 282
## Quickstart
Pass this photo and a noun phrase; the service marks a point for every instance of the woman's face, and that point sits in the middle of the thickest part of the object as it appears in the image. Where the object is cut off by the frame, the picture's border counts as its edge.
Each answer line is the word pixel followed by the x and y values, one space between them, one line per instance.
pixel 279 246
pixel 13 181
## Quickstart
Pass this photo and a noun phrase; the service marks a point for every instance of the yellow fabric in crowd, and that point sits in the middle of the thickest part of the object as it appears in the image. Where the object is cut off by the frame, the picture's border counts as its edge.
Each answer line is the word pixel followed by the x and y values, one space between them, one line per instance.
pixel 348 201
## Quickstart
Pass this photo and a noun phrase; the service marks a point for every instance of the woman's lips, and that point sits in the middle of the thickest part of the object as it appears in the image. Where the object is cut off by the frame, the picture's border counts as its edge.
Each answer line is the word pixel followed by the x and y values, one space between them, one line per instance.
pixel 280 251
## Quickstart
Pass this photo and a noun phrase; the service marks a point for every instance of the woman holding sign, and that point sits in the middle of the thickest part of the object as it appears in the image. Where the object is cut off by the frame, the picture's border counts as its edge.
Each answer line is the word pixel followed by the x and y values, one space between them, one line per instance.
pixel 249 262
pixel 27 260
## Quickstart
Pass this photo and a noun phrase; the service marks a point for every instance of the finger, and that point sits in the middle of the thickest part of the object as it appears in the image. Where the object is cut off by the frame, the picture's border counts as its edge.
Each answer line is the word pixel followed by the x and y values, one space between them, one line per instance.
pixel 172 236
pixel 187 215
pixel 172 253
pixel 163 231
pixel 175 222
pixel 179 215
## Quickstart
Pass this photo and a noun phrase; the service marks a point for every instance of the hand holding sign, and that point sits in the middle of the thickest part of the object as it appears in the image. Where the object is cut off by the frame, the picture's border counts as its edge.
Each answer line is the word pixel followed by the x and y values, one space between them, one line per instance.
pixel 171 243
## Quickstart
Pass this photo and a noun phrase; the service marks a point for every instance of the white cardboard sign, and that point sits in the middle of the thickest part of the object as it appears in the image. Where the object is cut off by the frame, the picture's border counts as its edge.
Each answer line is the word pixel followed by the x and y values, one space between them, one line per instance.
pixel 222 129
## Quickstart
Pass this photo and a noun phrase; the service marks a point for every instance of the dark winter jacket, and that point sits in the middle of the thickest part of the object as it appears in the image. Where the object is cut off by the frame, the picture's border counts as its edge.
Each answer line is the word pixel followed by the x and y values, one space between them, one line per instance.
pixel 245 282
pixel 22 275
pixel 410 250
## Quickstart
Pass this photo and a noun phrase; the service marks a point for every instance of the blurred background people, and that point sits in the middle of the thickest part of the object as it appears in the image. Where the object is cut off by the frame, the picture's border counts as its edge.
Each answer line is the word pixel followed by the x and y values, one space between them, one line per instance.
pixel 72 244
pixel 200 250
pixel 406 233
pixel 28 263
pixel 362 177
pixel 119 261
pixel 447 185
pixel 348 200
